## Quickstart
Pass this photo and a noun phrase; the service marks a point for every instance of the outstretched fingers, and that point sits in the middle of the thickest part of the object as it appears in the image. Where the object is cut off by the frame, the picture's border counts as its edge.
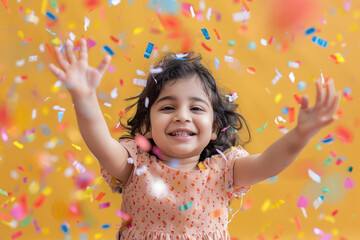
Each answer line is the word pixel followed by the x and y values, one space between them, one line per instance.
pixel 62 61
pixel 83 55
pixel 69 51
pixel 319 94
pixel 104 64
pixel 330 93
pixel 60 74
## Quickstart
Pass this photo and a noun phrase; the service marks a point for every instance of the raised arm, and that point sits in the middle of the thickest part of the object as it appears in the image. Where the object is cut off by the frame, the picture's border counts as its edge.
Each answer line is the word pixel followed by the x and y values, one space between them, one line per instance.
pixel 82 80
pixel 280 154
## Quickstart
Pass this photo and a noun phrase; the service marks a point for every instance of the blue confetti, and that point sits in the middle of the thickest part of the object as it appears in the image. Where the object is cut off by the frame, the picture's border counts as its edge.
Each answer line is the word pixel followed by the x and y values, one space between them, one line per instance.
pixel 252 45
pixel 51 16
pixel 301 85
pixel 178 58
pixel 60 116
pixel 310 31
pixel 50 31
pixel 83 236
pixel 217 63
pixel 285 110
pixel 347 91
pixel 149 49
pixel 205 33
pixel 105 226
pixel 327 140
pixel 319 41
pixel 64 228
pixel 108 50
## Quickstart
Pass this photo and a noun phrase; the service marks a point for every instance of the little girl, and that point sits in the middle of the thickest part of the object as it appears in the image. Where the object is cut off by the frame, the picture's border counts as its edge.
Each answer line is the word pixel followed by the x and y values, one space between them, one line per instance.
pixel 180 185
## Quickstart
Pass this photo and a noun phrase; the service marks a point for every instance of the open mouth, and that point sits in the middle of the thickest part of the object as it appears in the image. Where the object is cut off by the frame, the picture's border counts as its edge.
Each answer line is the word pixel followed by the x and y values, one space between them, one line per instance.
pixel 182 134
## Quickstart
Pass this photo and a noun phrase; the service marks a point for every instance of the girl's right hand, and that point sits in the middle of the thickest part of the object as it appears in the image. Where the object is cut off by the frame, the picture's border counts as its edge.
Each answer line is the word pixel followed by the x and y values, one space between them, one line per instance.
pixel 80 79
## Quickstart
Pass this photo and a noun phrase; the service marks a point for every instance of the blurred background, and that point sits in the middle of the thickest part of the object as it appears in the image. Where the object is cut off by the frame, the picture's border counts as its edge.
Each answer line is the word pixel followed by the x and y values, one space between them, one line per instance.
pixel 268 52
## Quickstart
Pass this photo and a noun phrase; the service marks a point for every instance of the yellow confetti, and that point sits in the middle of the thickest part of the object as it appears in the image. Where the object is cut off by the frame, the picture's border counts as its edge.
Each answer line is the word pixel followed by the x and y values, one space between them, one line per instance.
pixel 138 31
pixel 45 231
pixel 278 97
pixel 339 57
pixel 98 235
pixel 89 159
pixel 76 146
pixel 19 145
pixel 266 205
pixel 47 191
pixel 20 34
pixel 108 116
pixel 44 6
pixel 353 27
pixel 34 187
pixel 56 41
pixel 71 25
pixel 335 232
pixel 329 219
pixel 45 111
pixel 339 36
pixel 277 204
pixel 201 165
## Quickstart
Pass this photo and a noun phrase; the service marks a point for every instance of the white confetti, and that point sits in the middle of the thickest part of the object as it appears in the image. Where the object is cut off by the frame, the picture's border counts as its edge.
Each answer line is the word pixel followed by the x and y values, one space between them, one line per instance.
pixel 280 119
pixel 140 171
pixel 292 77
pixel 156 70
pixel 181 55
pixel 107 104
pixel 141 73
pixel 208 14
pixel 42 47
pixel 115 2
pixel 233 97
pixel 293 64
pixel 33 58
pixel 33 114
pixel 241 16
pixel 140 82
pixel 86 23
pixel 314 176
pixel 228 59
pixel 72 36
pixel 114 93
pixel 318 202
pixel 192 11
pixel 20 63
pixel 263 42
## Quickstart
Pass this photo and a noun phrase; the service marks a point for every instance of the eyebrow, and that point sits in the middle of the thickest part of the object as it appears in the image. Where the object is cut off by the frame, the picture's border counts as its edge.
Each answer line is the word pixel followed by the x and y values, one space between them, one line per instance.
pixel 172 98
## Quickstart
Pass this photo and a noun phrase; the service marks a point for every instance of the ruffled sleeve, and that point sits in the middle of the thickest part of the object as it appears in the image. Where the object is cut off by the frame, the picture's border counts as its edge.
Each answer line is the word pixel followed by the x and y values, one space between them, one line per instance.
pixel 230 156
pixel 115 184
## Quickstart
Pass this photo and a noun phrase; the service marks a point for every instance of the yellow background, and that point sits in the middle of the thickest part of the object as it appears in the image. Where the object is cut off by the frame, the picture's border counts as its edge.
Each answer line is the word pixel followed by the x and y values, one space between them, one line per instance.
pixel 273 209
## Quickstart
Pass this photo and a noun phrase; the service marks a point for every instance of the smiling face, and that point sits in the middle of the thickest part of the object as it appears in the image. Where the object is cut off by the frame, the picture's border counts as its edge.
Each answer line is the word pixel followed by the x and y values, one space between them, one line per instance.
pixel 182 119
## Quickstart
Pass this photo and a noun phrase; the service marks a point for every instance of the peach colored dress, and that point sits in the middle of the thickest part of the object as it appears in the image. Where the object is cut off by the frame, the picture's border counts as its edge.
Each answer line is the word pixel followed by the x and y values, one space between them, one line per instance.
pixel 166 203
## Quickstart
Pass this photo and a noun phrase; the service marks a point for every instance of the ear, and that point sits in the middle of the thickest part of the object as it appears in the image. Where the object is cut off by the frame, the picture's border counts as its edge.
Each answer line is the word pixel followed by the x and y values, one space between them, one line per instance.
pixel 214 132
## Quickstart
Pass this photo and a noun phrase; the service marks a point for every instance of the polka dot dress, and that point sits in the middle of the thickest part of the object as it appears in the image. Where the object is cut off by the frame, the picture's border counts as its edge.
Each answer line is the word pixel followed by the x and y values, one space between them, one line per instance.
pixel 167 203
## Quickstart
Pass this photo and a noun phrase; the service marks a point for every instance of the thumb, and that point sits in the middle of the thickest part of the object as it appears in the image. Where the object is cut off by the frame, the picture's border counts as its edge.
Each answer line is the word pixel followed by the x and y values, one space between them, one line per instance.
pixel 304 102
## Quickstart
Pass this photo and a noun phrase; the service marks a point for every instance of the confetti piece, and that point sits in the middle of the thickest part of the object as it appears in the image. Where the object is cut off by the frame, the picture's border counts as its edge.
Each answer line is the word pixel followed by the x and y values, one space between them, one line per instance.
pixel 310 31
pixel 100 196
pixel 185 206
pixel 104 205
pixel 217 63
pixel 4 136
pixel 344 134
pixel 40 201
pixel 16 235
pixel 148 50
pixel 297 222
pixel 292 77
pixel 205 33
pixel 319 41
pixel 318 202
pixel 140 82
pixel 64 228
pixel 18 145
pixel 314 176
pixel 265 206
pixel 105 226
pixel 86 23
pixel 206 47
pixel 241 16
pixel 76 146
pixel 50 15
pixel 302 202
pixel 291 115
pixel 79 166
pixel 337 58
pixel 219 212
pixel 108 50
pixel 349 184
pixel 5 216
pixel 217 35
pixel 143 143
pixel 251 70
pixel 262 128
pixel 3 192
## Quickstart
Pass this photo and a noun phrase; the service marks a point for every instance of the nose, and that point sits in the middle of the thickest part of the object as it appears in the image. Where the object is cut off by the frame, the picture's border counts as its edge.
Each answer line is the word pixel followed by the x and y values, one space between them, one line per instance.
pixel 182 115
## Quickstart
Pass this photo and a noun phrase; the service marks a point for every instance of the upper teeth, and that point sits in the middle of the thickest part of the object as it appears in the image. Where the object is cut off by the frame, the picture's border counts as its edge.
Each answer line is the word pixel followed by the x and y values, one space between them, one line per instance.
pixel 181 134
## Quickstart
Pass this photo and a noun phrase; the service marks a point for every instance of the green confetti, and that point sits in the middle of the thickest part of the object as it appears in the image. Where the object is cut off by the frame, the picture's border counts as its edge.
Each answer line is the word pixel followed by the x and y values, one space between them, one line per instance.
pixel 262 128
pixel 26 221
pixel 185 206
pixel 325 190
pixel 318 147
pixel 327 162
pixel 3 192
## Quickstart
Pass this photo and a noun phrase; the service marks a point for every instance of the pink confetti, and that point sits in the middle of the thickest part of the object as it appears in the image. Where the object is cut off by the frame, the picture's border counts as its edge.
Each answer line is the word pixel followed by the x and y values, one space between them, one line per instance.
pixel 4 135
pixel 349 184
pixel 333 154
pixel 302 202
pixel 104 205
pixel 3 77
pixel 111 68
pixel 142 142
pixel 16 235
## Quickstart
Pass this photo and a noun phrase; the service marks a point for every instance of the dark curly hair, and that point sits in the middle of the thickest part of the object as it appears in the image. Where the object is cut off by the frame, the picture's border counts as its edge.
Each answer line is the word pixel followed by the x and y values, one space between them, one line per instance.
pixel 174 68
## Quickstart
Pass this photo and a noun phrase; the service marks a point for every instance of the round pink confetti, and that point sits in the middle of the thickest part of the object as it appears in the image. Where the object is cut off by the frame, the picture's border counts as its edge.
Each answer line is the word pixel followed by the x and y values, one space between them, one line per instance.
pixel 349 184
pixel 143 143
pixel 303 202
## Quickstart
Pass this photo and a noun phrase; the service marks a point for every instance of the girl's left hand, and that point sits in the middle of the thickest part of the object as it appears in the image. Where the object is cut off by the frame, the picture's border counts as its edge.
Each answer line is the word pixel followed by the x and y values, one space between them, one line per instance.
pixel 312 119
